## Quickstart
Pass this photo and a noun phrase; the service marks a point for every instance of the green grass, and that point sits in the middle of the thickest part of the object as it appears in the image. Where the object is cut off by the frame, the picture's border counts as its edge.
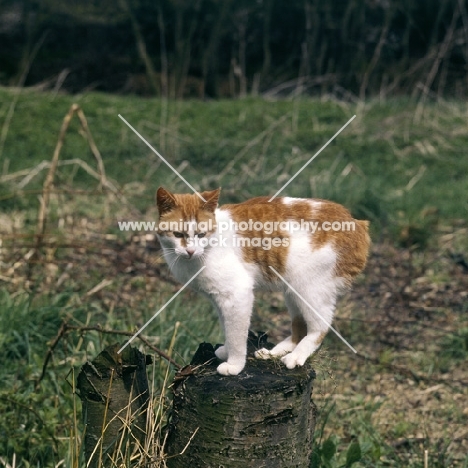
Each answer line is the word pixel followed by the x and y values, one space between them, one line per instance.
pixel 383 164
pixel 37 418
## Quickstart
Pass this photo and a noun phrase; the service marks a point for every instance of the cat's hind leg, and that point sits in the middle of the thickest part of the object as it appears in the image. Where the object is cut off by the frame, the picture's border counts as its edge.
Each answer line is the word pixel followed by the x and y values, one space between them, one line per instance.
pixel 309 344
pixel 282 348
pixel 298 332
pixel 317 306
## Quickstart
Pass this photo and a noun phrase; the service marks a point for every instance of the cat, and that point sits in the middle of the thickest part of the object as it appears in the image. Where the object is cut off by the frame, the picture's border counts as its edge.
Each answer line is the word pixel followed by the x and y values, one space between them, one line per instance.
pixel 301 247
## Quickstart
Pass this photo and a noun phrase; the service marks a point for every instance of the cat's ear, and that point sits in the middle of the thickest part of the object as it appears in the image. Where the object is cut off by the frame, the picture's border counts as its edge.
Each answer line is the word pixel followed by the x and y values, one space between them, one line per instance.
pixel 211 198
pixel 165 200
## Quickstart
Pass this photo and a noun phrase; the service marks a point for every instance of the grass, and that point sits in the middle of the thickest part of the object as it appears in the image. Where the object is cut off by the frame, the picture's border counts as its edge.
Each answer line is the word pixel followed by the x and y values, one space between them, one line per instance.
pixel 37 417
pixel 382 164
pixel 406 315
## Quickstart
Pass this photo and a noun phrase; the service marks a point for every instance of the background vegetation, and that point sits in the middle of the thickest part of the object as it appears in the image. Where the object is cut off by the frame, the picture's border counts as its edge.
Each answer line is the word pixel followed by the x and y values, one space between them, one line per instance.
pixel 71 281
pixel 404 392
pixel 213 48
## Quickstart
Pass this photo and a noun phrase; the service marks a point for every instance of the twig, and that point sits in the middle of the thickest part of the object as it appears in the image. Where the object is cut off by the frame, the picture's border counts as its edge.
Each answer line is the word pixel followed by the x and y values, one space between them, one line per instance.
pixel 93 147
pixel 15 175
pixel 50 176
pixel 307 82
pixel 411 71
pixel 32 173
pixel 141 46
pixel 79 162
pixel 103 284
pixel 62 330
pixel 46 190
pixel 376 55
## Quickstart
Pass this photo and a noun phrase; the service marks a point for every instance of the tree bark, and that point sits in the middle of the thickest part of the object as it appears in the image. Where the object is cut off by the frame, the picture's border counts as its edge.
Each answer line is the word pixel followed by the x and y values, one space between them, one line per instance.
pixel 114 391
pixel 264 417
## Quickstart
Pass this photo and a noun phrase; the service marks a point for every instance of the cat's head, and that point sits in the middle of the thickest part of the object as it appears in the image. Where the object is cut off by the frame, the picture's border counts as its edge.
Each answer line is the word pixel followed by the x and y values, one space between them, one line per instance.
pixel 186 222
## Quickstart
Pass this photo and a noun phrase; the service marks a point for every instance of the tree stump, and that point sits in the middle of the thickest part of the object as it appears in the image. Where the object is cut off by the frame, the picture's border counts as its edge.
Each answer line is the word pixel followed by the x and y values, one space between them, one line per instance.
pixel 264 417
pixel 114 392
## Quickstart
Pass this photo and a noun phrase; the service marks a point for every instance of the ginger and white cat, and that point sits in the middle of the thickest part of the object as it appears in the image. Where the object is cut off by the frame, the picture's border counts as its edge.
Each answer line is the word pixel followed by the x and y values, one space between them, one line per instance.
pixel 314 245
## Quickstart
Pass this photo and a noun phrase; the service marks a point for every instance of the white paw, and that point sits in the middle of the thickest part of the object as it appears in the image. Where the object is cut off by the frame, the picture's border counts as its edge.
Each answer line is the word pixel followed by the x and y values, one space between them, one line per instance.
pixel 292 360
pixel 229 369
pixel 221 353
pixel 263 354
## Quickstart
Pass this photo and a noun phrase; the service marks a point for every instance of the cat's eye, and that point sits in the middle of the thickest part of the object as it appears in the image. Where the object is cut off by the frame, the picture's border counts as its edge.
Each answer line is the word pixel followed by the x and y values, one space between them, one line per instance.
pixel 201 234
pixel 179 235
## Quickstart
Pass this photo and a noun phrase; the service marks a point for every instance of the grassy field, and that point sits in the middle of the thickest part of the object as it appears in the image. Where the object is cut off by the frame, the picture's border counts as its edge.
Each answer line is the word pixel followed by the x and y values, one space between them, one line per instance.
pixel 400 166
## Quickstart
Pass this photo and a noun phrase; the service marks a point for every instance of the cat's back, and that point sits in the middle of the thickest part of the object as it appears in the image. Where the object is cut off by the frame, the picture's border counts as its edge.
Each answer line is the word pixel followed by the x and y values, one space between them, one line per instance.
pixel 304 226
pixel 288 209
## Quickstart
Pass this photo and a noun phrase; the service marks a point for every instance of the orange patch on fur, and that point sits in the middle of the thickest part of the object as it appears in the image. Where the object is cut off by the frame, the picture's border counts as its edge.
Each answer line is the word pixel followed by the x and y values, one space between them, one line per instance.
pixel 259 210
pixel 298 329
pixel 321 337
pixel 351 246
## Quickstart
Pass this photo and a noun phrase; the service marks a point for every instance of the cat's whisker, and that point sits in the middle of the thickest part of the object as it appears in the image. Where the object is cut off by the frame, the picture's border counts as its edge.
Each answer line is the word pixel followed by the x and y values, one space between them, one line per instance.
pixel 159 256
pixel 174 263
pixel 171 266
pixel 163 254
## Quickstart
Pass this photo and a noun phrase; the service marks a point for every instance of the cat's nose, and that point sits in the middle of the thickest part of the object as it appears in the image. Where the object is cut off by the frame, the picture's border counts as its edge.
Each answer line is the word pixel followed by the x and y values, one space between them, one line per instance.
pixel 190 251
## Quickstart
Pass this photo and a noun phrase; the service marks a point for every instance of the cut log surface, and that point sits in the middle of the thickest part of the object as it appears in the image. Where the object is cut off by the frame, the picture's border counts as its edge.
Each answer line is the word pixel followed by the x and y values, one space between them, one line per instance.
pixel 264 417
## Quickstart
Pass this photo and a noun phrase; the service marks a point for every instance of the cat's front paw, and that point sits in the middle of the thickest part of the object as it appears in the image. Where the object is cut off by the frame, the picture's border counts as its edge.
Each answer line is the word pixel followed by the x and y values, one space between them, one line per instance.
pixel 221 353
pixel 229 369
